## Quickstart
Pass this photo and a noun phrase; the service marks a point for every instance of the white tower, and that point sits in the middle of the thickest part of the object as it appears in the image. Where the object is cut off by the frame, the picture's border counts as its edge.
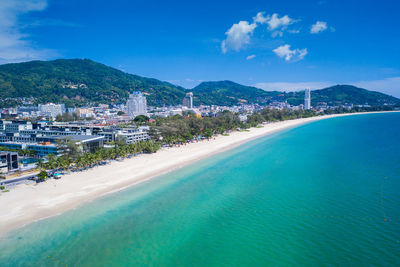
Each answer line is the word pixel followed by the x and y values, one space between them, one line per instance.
pixel 307 99
pixel 188 100
pixel 136 104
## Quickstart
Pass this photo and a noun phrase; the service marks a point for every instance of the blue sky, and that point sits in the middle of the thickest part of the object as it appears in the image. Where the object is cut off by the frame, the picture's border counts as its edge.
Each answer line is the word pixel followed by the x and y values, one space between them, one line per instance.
pixel 284 45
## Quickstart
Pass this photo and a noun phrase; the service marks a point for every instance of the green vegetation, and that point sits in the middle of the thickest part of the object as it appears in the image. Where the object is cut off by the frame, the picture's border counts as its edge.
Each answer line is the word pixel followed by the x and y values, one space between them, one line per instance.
pixel 179 129
pixel 72 158
pixel 77 82
pixel 65 117
pixel 227 93
pixel 2 187
pixel 141 119
pixel 42 175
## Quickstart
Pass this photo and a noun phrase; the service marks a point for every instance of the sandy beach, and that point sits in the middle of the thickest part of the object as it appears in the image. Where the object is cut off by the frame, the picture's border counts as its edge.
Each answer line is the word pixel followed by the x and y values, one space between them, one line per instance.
pixel 27 203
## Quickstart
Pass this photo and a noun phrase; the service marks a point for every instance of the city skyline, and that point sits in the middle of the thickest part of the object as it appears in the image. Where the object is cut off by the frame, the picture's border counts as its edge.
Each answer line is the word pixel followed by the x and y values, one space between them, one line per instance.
pixel 287 45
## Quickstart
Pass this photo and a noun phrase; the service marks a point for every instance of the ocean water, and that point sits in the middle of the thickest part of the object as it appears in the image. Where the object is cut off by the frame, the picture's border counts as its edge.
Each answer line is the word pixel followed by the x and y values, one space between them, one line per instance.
pixel 326 193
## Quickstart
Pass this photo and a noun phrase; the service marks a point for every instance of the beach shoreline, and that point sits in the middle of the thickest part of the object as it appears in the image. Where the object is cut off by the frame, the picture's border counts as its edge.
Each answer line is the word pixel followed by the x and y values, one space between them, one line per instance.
pixel 29 203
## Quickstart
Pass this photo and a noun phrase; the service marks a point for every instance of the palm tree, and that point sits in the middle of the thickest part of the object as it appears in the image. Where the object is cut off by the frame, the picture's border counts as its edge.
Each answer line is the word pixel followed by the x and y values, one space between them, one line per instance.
pixel 52 161
pixel 42 175
pixel 40 164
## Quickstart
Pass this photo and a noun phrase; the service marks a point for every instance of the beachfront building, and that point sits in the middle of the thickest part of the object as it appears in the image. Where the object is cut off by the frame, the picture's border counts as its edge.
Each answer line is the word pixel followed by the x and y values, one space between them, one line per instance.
pixel 130 136
pixel 51 110
pixel 86 143
pixel 188 100
pixel 136 104
pixel 8 161
pixel 307 99
pixel 41 149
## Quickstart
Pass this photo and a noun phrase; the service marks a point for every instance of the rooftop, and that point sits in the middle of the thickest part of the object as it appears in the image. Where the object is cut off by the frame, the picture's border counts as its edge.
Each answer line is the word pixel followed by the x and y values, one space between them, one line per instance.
pixel 80 138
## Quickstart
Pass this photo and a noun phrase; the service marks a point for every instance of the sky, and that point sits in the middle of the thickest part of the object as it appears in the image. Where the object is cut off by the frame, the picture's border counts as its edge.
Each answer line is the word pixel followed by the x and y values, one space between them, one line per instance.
pixel 274 45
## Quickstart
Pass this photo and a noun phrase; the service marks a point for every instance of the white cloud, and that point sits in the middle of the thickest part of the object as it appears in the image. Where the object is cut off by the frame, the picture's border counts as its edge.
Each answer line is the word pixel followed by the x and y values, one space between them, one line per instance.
pixel 275 22
pixel 318 27
pixel 15 46
pixel 250 57
pixel 288 54
pixel 277 25
pixel 238 36
pixel 260 18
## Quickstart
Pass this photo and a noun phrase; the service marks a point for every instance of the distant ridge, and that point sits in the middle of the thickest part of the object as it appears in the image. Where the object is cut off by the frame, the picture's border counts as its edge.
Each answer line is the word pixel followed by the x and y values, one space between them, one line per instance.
pixel 78 82
pixel 344 94
pixel 230 93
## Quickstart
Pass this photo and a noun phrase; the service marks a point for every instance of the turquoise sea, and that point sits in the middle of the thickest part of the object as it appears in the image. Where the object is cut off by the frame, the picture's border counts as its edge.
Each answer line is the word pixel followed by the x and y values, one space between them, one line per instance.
pixel 325 193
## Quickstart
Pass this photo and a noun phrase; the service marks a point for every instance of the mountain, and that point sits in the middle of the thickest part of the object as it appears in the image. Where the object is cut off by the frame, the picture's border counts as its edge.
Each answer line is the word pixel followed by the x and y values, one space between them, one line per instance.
pixel 344 94
pixel 79 81
pixel 228 93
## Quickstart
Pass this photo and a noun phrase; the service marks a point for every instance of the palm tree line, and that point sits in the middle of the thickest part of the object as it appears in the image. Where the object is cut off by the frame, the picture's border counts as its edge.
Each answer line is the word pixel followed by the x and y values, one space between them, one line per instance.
pixel 180 129
pixel 72 158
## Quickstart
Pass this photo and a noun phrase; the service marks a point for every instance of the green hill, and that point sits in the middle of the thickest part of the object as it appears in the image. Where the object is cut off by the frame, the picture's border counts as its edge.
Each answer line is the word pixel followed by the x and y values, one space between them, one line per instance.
pixel 229 93
pixel 344 94
pixel 79 81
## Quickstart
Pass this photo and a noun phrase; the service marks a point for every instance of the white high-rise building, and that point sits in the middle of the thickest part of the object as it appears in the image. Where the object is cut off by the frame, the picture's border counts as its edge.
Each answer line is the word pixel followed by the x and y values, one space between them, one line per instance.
pixel 51 110
pixel 307 99
pixel 188 100
pixel 136 104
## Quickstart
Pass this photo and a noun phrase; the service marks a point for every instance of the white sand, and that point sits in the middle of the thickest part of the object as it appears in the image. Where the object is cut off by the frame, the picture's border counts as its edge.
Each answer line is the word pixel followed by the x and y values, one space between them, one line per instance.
pixel 28 203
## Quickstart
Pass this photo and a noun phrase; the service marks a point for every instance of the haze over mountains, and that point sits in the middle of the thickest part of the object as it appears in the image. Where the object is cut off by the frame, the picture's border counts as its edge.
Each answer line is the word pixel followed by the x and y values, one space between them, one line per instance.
pixel 81 81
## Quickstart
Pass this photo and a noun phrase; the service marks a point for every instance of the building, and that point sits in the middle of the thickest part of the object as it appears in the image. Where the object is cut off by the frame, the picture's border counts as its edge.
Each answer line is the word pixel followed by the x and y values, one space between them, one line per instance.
pixel 51 110
pixel 3 124
pixel 41 149
pixel 16 126
pixel 108 134
pixel 307 99
pixel 85 112
pixel 130 136
pixel 8 161
pixel 188 100
pixel 22 110
pixel 86 143
pixel 136 104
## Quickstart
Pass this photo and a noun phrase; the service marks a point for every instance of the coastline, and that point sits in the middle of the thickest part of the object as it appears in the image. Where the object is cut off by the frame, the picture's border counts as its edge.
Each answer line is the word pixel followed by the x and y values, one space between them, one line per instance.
pixel 28 203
